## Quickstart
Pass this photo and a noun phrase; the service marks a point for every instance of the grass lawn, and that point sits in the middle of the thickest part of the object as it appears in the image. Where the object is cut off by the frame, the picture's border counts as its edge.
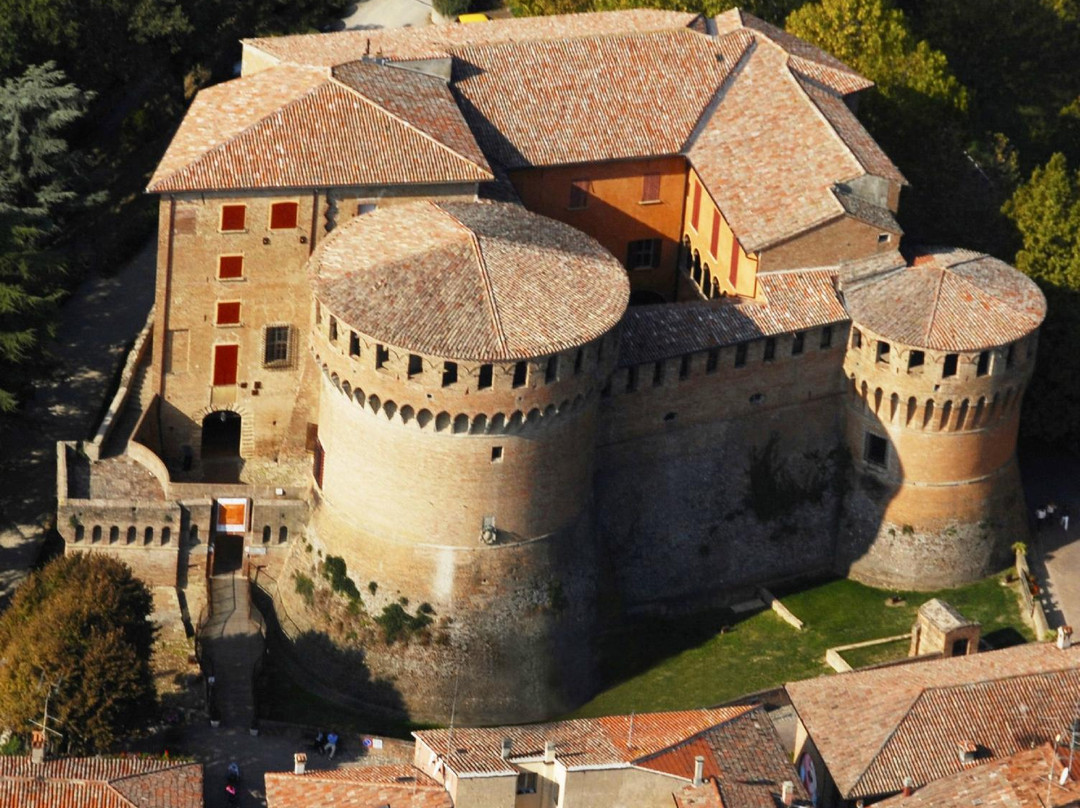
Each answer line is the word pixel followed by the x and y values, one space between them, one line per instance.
pixel 703 659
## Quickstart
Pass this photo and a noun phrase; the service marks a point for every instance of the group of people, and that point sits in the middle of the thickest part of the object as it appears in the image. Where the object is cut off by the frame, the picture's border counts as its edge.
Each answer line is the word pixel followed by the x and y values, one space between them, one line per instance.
pixel 232 784
pixel 1049 512
pixel 326 743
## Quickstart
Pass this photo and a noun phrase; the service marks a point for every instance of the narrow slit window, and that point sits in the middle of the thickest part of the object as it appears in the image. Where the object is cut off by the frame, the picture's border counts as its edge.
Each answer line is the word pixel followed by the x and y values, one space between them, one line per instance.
pixel 983 367
pixel 485 377
pixel 770 349
pixel 856 338
pixel 658 374
pixel 521 374
pixel 740 355
pixel 354 344
pixel 333 329
pixel 798 342
pixel 579 360
pixel 1009 354
pixel 712 359
pixel 551 371
pixel 684 366
pixel 696 211
pixel 826 337
pixel 382 356
pixel 631 378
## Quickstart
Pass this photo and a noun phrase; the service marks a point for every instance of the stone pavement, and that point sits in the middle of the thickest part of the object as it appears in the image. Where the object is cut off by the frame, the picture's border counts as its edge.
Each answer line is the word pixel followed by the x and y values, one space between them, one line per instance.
pixel 96 325
pixel 1053 476
pixel 233 643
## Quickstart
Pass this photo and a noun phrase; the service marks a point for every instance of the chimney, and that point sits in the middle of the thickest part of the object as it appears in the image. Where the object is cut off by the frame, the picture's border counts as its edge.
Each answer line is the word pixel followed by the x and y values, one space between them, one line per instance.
pixel 37 747
pixel 549 752
pixel 699 770
pixel 507 745
pixel 967 751
pixel 1064 637
pixel 909 787
pixel 299 762
pixel 787 792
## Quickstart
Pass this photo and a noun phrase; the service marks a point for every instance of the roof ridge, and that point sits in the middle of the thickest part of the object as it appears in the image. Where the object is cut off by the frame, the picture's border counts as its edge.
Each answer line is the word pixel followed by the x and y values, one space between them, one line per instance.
pixel 249 128
pixel 888 738
pixel 799 79
pixel 485 278
pixel 707 112
pixel 747 709
pixel 411 125
pixel 937 302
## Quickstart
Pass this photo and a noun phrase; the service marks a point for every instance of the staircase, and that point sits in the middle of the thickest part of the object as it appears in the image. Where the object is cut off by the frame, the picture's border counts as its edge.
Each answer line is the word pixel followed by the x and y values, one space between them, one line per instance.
pixel 233 643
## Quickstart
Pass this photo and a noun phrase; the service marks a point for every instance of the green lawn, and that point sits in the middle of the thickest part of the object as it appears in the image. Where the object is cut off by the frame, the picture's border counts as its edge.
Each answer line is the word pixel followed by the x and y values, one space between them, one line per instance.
pixel 704 659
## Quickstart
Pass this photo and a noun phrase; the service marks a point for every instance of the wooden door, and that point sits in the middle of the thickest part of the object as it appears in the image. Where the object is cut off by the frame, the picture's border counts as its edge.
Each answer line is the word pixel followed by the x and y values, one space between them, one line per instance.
pixel 226 358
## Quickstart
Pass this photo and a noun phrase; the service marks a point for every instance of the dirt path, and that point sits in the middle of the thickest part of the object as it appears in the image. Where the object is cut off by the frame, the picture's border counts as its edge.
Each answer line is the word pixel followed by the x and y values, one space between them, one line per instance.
pixel 97 323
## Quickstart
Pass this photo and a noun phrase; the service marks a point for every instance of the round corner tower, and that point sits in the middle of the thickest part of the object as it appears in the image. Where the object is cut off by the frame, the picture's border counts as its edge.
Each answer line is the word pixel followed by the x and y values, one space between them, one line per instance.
pixel 463 347
pixel 939 356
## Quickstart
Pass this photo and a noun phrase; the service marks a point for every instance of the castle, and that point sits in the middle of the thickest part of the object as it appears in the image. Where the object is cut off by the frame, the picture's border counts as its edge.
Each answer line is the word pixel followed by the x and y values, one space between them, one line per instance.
pixel 535 323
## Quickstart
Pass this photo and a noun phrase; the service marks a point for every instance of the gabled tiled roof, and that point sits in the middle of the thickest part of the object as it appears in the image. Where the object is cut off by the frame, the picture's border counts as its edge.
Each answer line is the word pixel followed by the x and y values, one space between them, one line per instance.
pixel 473 281
pixel 912 716
pixel 297 127
pixel 1018 781
pixel 610 742
pixel 949 299
pixel 602 97
pixel 743 755
pixel 438 41
pixel 809 60
pixel 794 301
pixel 99 783
pixel 396 786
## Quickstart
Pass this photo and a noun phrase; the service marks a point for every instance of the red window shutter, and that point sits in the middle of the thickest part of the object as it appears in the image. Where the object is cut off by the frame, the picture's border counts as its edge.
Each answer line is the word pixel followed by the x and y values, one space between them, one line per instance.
pixel 283 215
pixel 228 313
pixel 733 277
pixel 225 361
pixel 230 266
pixel 650 188
pixel 696 215
pixel 715 233
pixel 233 217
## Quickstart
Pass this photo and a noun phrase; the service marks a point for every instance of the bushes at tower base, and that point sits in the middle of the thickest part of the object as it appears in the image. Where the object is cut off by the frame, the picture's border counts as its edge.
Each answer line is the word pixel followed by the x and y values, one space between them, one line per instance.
pixel 397 624
pixel 77 633
pixel 336 573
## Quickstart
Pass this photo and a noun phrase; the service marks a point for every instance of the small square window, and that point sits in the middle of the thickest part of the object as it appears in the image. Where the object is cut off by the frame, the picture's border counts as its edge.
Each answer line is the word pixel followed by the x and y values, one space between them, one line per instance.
pixel 883 238
pixel 449 373
pixel 233 218
pixel 740 355
pixel 416 365
pixel 650 188
pixel 365 208
pixel 643 253
pixel 284 215
pixel 277 346
pixel 579 195
pixel 916 359
pixel 526 783
pixel 496 454
pixel 798 342
pixel 486 375
pixel 949 368
pixel 770 349
pixel 877 450
pixel 826 337
pixel 228 313
pixel 882 351
pixel 230 267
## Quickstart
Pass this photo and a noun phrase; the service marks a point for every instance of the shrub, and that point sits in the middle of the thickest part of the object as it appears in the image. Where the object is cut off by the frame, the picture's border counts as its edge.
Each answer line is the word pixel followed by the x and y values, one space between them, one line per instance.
pixel 305 587
pixel 398 624
pixel 451 8
pixel 335 571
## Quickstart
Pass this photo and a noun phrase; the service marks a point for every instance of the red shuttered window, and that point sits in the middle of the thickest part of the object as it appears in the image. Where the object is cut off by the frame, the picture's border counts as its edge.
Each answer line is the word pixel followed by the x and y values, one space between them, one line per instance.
pixel 233 217
pixel 696 213
pixel 228 313
pixel 283 215
pixel 230 267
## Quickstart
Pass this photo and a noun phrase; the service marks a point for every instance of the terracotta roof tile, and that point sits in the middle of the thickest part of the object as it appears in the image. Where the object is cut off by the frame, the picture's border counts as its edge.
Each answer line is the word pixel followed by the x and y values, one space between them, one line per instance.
pixel 312 130
pixel 579 743
pixel 604 97
pixel 948 300
pixel 438 41
pixel 852 717
pixel 794 301
pixel 1018 781
pixel 475 281
pixel 396 786
pixel 866 211
pixel 806 58
pixel 99 783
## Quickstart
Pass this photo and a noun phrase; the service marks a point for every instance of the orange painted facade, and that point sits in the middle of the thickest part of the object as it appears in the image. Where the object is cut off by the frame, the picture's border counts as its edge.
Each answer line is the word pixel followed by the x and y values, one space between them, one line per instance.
pixel 713 248
pixel 618 204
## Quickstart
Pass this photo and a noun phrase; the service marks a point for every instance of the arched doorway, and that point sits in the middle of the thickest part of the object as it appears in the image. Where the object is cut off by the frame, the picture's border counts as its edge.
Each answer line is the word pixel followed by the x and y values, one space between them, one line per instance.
pixel 221 435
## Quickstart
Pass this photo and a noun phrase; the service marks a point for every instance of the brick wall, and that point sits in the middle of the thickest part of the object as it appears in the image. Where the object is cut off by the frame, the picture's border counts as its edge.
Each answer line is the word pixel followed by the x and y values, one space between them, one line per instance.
pixel 842 239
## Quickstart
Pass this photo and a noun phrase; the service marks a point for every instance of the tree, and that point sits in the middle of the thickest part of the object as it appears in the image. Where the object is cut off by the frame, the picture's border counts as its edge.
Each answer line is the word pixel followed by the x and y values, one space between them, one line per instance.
pixel 79 628
pixel 1046 211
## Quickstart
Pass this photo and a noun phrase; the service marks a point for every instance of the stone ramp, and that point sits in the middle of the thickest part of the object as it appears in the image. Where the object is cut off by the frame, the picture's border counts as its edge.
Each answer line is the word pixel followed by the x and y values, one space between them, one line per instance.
pixel 232 641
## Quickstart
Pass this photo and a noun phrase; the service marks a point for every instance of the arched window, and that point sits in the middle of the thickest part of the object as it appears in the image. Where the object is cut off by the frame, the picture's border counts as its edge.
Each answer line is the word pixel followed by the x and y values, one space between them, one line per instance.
pixel 266 534
pixel 706 286
pixel 114 534
pixel 95 534
pixel 283 534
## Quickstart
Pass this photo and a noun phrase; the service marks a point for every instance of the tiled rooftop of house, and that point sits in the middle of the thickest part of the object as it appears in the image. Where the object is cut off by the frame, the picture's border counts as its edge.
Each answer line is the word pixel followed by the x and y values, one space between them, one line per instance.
pixel 387 786
pixel 875 727
pixel 482 282
pixel 615 741
pixel 794 301
pixel 1023 780
pixel 947 299
pixel 99 783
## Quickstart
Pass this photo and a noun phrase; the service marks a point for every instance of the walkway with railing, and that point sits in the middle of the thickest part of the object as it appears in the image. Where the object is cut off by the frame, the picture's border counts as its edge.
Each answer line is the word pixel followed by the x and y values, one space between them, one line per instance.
pixel 233 642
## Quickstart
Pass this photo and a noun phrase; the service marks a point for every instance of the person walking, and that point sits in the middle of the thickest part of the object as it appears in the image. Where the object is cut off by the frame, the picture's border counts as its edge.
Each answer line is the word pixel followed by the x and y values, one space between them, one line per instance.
pixel 1065 518
pixel 1040 518
pixel 331 744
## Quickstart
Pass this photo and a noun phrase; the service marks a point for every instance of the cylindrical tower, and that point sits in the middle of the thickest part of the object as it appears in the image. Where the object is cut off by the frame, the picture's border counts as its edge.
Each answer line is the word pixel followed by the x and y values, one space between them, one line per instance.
pixel 938 358
pixel 463 348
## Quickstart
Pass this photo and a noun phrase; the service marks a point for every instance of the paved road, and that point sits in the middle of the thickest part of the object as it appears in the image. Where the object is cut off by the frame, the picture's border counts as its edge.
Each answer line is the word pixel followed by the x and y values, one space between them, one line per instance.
pixel 96 325
pixel 387 14
pixel 1051 476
